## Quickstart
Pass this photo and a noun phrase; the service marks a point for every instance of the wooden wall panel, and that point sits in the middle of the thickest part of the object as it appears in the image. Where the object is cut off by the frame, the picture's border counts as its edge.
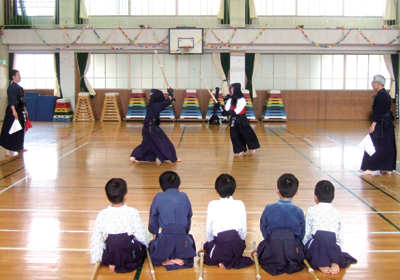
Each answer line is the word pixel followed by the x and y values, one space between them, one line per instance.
pixel 299 104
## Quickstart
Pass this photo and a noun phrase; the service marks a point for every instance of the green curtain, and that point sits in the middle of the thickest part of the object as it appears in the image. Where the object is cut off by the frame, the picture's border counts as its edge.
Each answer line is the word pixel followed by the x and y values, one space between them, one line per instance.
pixel 57 59
pixel 226 19
pixel 78 18
pixel 395 63
pixel 57 12
pixel 82 59
pixel 247 13
pixel 11 16
pixel 226 63
pixel 10 63
pixel 249 66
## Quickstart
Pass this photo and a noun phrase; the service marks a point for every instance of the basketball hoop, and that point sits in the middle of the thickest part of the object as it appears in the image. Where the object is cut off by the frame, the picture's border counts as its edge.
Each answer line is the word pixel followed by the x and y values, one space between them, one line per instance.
pixel 185 50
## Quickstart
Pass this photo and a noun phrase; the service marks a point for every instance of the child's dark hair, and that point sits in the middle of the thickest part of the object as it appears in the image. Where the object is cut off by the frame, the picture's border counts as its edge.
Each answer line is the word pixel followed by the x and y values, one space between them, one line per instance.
pixel 225 185
pixel 324 191
pixel 288 185
pixel 169 180
pixel 116 189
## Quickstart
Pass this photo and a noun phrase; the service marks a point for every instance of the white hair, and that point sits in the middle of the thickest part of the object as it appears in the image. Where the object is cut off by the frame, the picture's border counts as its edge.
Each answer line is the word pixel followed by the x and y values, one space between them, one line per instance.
pixel 379 79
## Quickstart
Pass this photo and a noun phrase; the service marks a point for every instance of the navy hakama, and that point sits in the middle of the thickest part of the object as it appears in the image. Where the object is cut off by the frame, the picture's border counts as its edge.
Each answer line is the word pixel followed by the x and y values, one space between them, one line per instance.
pixel 383 137
pixel 173 242
pixel 227 248
pixel 123 251
pixel 16 98
pixel 322 251
pixel 281 253
pixel 242 135
pixel 155 143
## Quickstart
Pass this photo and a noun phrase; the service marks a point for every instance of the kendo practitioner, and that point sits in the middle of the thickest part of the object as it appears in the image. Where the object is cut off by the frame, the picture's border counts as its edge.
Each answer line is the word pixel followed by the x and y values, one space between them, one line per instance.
pixel 171 211
pixel 242 135
pixel 155 143
pixel 381 132
pixel 16 110
pixel 119 237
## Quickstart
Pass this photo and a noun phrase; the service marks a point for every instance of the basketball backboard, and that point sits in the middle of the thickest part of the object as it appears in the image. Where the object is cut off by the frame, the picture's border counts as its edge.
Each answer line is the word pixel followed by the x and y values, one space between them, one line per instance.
pixel 185 41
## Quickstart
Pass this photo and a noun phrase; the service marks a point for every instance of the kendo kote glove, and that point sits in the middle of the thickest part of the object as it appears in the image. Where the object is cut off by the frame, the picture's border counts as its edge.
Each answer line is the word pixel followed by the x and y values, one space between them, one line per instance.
pixel 171 94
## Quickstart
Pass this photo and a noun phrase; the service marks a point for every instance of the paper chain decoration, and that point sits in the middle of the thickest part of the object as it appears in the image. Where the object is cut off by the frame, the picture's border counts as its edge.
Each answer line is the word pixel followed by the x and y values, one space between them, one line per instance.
pixel 223 44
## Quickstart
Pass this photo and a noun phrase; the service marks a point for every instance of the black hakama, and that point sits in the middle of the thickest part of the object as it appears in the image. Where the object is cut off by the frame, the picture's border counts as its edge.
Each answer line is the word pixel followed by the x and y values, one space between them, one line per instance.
pixel 227 248
pixel 13 142
pixel 383 137
pixel 242 135
pixel 322 251
pixel 173 243
pixel 281 253
pixel 123 251
pixel 155 143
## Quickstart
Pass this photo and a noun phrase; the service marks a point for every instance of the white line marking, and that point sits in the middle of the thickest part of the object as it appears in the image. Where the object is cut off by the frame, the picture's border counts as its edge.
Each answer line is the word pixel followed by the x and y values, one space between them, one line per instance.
pixel 341 144
pixel 9 187
pixel 307 140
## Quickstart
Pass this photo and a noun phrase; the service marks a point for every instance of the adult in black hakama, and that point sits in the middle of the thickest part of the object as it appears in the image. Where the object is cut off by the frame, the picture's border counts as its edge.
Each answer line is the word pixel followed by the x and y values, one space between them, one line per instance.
pixel 242 135
pixel 281 253
pixel 381 132
pixel 155 143
pixel 227 248
pixel 15 110
pixel 123 251
pixel 173 242
pixel 322 251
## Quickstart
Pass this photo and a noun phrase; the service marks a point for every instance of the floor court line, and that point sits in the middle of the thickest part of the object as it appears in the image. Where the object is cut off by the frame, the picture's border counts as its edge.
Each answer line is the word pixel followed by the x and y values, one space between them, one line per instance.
pixel 195 212
pixel 356 196
pixel 9 187
pixel 191 232
pixel 360 176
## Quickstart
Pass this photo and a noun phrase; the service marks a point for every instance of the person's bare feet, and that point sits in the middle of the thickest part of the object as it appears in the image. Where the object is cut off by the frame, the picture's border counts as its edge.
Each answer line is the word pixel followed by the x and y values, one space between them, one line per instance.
pixel 253 152
pixel 387 172
pixel 133 159
pixel 239 154
pixel 221 265
pixel 335 269
pixel 325 269
pixel 179 160
pixel 173 262
pixel 112 267
pixel 365 172
pixel 8 153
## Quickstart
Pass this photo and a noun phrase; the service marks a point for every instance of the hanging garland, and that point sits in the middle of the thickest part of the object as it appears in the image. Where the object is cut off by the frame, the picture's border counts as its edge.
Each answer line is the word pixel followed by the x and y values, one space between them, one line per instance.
pixel 379 45
pixel 324 46
pixel 160 43
pixel 227 44
pixel 104 42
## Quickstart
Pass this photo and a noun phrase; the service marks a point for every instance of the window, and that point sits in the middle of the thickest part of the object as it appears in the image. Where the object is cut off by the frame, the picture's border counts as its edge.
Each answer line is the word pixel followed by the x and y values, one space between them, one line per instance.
pixel 35 8
pixel 152 7
pixel 196 7
pixel 351 8
pixel 360 70
pixel 37 70
pixel 107 7
pixel 116 71
pixel 325 72
pixel 108 71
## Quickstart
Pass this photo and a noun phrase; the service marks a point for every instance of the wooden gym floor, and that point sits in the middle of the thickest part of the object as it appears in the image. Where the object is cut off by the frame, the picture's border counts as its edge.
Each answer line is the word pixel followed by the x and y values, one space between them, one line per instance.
pixel 50 196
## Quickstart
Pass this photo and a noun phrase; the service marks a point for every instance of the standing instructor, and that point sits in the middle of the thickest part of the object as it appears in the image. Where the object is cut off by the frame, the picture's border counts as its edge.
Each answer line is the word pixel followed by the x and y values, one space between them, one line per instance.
pixel 16 110
pixel 381 131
